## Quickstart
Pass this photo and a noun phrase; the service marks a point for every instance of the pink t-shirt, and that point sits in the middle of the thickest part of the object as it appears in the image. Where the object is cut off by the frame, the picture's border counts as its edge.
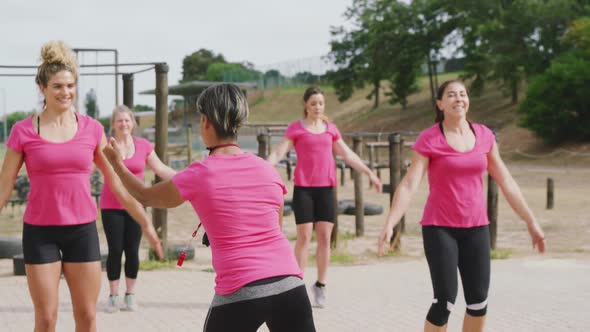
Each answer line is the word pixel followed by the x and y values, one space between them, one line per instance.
pixel 135 164
pixel 315 161
pixel 59 173
pixel 456 197
pixel 237 198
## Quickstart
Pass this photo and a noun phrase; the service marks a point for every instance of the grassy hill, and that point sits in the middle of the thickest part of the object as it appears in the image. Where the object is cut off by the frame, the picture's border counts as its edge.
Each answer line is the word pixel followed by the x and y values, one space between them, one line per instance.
pixel 492 108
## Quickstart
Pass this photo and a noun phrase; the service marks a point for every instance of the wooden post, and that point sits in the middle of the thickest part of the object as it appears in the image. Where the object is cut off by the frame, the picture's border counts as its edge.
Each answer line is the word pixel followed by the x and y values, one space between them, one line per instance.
pixel 371 161
pixel 159 215
pixel 289 167
pixel 395 178
pixel 189 144
pixel 493 210
pixel 334 235
pixel 377 156
pixel 261 138
pixel 128 90
pixel 359 204
pixel 402 173
pixel 342 173
pixel 549 193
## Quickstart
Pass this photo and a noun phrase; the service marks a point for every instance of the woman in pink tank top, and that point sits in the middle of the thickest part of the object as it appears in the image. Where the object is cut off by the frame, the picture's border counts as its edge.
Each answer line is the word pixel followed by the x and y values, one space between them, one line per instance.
pixel 59 147
pixel 455 153
pixel 123 233
pixel 315 140
pixel 238 198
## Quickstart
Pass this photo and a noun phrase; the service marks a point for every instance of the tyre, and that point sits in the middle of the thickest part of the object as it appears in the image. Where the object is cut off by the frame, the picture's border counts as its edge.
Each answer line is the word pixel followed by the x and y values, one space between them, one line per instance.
pixel 370 209
pixel 10 246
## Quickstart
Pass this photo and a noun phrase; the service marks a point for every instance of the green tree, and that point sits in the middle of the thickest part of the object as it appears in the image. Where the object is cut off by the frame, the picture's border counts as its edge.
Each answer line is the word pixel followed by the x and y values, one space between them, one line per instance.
pixel 195 66
pixel 557 104
pixel 362 51
pixel 231 72
pixel 143 108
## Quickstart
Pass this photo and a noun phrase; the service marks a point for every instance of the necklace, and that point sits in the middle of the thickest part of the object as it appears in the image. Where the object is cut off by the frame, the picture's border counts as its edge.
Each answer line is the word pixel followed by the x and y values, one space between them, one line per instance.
pixel 213 148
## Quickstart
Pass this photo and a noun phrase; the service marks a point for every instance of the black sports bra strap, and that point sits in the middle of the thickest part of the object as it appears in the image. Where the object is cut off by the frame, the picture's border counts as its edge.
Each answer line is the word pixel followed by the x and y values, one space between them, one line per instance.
pixel 39 122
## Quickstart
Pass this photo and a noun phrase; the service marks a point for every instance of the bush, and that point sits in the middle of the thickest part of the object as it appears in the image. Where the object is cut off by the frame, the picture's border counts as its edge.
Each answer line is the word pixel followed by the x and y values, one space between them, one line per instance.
pixel 557 104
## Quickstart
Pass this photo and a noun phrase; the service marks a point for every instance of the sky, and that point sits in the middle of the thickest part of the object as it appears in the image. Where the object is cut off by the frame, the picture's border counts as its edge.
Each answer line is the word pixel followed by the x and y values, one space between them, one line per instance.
pixel 265 32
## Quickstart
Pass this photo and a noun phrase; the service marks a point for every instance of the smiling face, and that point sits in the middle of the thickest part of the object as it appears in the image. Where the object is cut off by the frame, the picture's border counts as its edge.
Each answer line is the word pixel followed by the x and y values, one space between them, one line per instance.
pixel 454 102
pixel 314 106
pixel 122 124
pixel 60 92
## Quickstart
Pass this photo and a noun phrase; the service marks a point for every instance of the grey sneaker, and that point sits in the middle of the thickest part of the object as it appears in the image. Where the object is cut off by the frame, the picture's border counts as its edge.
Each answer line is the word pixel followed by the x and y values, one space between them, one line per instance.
pixel 130 304
pixel 319 296
pixel 112 304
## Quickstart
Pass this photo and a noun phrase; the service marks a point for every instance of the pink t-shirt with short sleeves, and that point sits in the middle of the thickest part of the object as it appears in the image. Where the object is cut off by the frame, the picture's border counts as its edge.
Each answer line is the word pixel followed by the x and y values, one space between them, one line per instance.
pixel 237 198
pixel 59 173
pixel 456 197
pixel 315 161
pixel 135 164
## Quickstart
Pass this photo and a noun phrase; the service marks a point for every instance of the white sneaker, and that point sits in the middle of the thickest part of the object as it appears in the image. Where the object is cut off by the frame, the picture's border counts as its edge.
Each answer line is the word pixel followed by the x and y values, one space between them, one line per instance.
pixel 319 296
pixel 130 304
pixel 112 304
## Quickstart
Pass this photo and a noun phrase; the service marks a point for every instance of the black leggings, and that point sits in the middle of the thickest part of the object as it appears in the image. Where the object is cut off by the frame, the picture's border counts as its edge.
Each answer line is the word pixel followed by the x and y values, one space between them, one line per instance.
pixel 446 250
pixel 288 311
pixel 123 234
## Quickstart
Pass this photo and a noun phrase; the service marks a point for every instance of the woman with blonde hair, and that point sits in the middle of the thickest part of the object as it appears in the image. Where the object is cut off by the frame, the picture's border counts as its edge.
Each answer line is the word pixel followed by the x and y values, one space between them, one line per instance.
pixel 58 147
pixel 123 233
pixel 315 140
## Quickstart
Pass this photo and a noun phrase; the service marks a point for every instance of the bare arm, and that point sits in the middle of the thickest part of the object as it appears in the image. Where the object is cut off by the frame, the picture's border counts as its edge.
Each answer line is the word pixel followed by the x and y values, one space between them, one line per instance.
pixel 355 162
pixel 12 163
pixel 133 207
pixel 161 169
pixel 402 197
pixel 513 195
pixel 280 151
pixel 162 195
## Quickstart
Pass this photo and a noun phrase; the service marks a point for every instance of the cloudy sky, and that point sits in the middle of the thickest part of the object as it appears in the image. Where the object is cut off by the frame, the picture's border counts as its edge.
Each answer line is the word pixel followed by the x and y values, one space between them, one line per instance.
pixel 264 32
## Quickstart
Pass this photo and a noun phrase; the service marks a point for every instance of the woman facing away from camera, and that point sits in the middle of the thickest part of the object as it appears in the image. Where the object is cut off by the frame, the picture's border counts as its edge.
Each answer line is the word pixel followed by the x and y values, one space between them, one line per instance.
pixel 455 153
pixel 58 147
pixel 122 232
pixel 315 140
pixel 238 198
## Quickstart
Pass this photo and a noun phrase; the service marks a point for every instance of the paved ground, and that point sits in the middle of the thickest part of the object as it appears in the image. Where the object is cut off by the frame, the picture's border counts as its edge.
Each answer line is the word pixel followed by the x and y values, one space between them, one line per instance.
pixel 534 294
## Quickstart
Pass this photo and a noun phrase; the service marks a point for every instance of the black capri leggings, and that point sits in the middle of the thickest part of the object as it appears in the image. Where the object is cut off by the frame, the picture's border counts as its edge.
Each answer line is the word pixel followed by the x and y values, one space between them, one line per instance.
pixel 123 234
pixel 467 249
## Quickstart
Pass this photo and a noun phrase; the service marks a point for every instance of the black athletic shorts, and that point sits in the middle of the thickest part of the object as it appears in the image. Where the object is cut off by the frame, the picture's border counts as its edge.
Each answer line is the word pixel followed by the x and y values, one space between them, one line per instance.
pixel 72 244
pixel 313 204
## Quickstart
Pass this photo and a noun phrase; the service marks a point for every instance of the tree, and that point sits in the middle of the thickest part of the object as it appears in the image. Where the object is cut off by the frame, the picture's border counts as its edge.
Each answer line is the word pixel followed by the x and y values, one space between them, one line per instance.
pixel 231 72
pixel 195 66
pixel 362 52
pixel 557 105
pixel 91 104
pixel 511 40
pixel 143 108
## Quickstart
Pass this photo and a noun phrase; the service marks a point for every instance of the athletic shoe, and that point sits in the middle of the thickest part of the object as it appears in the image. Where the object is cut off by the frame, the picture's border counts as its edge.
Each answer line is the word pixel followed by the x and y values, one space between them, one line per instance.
pixel 130 304
pixel 319 296
pixel 112 304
